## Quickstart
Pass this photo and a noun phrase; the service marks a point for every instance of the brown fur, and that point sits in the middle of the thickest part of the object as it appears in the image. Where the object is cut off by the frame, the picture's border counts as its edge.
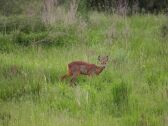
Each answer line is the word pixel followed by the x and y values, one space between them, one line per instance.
pixel 79 67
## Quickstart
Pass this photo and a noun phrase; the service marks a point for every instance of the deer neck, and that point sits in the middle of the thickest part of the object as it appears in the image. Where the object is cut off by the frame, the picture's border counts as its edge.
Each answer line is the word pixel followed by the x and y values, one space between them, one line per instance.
pixel 99 69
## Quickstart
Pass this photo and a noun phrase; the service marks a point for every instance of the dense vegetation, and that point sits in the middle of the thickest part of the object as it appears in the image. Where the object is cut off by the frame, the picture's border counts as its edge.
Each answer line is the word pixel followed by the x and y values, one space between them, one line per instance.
pixel 35 48
pixel 8 7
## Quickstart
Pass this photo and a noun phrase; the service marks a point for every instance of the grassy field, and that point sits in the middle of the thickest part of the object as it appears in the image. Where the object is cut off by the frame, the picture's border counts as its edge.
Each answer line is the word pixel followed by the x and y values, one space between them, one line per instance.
pixel 131 91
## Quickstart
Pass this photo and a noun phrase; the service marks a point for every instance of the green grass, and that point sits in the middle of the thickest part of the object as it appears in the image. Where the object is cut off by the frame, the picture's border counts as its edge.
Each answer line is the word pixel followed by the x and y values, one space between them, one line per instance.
pixel 131 91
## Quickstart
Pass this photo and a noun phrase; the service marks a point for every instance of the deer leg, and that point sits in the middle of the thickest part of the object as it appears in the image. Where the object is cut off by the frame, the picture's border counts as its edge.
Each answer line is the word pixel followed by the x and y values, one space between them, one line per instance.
pixel 91 74
pixel 63 77
pixel 72 81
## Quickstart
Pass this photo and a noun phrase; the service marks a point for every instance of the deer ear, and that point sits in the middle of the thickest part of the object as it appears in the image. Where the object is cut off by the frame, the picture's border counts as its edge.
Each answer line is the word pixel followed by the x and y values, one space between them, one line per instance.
pixel 107 57
pixel 98 57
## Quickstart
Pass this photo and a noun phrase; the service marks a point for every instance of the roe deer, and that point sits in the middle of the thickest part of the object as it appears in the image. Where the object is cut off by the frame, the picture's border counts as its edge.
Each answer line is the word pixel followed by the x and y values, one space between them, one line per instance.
pixel 79 67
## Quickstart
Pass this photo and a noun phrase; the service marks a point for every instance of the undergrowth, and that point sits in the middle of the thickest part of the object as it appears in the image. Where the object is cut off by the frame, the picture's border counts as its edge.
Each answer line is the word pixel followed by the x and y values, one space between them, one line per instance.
pixel 132 90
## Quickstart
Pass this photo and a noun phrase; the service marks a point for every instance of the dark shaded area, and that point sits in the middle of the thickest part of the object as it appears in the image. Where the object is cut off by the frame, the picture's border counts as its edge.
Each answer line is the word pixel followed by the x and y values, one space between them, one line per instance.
pixel 8 7
pixel 152 6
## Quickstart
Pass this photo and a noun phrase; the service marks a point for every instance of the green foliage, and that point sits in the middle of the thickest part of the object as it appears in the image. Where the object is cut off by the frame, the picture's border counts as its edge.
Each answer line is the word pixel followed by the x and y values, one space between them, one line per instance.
pixel 21 23
pixel 83 9
pixel 5 118
pixel 132 90
pixel 9 7
pixel 120 94
pixel 32 31
pixel 164 30
pixel 63 36
pixel 6 44
pixel 15 84
pixel 152 6
pixel 14 7
pixel 24 39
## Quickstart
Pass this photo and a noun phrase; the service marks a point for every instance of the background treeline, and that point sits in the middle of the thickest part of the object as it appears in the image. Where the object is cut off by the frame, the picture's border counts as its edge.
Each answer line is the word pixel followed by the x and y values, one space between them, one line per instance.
pixel 8 7
pixel 152 6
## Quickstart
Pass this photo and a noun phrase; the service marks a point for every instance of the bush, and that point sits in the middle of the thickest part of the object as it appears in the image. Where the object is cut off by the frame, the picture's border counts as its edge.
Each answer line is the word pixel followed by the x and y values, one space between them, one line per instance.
pixel 18 82
pixel 21 23
pixel 83 9
pixel 8 7
pixel 27 31
pixel 164 30
pixel 32 25
pixel 23 39
pixel 120 96
pixel 6 44
pixel 63 35
pixel 57 37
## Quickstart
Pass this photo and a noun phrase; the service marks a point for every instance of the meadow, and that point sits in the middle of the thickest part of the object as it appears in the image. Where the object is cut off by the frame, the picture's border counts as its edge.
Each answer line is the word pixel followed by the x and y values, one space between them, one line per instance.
pixel 131 91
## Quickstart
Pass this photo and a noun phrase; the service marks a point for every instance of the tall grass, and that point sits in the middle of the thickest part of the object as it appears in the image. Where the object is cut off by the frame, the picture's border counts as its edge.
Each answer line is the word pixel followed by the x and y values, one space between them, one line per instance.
pixel 132 90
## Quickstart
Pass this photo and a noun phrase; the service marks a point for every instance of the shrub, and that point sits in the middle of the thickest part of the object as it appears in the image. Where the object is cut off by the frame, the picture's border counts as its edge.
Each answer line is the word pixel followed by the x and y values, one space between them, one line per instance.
pixel 32 25
pixel 21 38
pixel 83 9
pixel 5 118
pixel 120 95
pixel 6 44
pixel 21 23
pixel 61 35
pixel 164 30
pixel 18 82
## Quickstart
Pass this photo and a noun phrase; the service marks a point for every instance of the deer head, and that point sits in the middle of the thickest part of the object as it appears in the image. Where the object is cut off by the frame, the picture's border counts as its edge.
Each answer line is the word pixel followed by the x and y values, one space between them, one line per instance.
pixel 103 60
